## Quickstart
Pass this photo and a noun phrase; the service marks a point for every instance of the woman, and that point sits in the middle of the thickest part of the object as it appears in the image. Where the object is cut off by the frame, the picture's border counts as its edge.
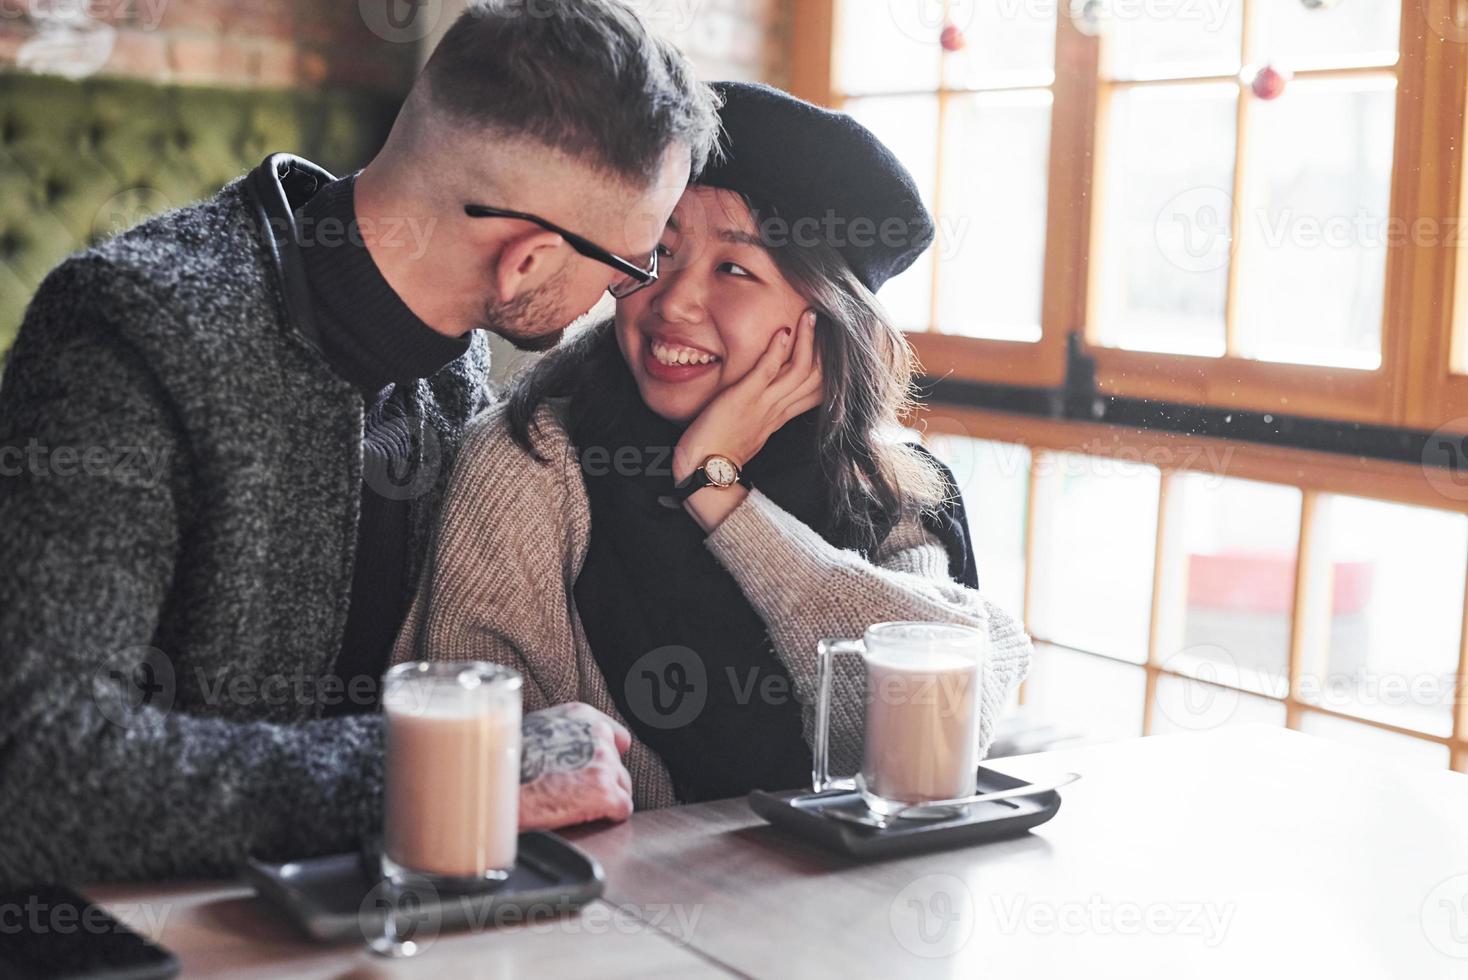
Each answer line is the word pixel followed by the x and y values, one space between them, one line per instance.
pixel 673 508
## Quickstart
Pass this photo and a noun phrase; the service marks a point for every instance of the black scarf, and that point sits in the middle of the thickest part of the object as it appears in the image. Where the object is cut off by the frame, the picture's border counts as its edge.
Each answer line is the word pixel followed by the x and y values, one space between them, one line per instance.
pixel 688 661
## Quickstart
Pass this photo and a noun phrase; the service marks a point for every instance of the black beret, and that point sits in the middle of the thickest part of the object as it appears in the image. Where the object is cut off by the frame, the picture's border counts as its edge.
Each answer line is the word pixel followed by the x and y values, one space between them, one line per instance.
pixel 818 175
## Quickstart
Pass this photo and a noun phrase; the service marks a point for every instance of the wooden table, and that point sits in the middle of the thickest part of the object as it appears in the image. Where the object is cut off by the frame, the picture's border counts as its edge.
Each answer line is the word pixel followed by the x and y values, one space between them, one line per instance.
pixel 220 929
pixel 1244 852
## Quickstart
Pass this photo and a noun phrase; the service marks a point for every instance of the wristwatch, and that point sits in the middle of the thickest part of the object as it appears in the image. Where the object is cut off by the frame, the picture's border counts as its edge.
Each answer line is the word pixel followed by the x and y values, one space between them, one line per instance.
pixel 715 471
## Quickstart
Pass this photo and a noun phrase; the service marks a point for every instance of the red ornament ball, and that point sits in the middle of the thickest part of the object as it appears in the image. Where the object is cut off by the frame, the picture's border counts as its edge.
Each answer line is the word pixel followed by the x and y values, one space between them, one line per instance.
pixel 1269 83
pixel 952 38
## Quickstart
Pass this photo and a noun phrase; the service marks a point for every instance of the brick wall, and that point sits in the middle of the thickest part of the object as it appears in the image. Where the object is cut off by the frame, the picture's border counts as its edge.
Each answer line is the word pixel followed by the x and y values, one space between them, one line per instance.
pixel 736 39
pixel 315 43
pixel 274 43
pixel 743 39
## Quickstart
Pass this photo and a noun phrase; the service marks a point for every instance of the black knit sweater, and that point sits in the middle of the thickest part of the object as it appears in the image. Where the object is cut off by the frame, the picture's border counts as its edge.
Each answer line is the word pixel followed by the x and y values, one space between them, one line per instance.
pixel 372 339
pixel 177 558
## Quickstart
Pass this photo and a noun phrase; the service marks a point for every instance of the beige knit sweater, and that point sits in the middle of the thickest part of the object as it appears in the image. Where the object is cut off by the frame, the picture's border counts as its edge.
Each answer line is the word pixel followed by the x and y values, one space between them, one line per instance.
pixel 512 540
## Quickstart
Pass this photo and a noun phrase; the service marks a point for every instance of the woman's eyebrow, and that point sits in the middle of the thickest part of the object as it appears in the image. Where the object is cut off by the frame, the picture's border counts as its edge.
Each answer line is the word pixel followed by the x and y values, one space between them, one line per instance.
pixel 736 237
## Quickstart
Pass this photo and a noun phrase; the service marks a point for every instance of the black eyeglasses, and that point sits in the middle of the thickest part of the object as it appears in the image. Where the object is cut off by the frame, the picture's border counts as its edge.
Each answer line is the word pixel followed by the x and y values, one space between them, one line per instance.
pixel 633 276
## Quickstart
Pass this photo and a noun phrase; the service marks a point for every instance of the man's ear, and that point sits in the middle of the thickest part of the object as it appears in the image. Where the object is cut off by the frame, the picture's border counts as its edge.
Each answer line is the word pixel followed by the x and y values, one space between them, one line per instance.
pixel 525 261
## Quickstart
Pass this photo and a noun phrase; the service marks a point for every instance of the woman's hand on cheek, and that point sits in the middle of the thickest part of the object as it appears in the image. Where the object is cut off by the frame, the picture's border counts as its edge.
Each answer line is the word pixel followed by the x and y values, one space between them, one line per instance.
pixel 783 383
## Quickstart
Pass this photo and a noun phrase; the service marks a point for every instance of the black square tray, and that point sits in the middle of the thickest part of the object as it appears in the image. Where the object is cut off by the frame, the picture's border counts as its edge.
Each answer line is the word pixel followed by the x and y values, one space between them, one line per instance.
pixel 328 896
pixel 799 813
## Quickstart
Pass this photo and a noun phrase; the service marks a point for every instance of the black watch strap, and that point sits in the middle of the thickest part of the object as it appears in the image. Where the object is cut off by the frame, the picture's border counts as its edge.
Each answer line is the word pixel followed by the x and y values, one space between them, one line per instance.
pixel 700 479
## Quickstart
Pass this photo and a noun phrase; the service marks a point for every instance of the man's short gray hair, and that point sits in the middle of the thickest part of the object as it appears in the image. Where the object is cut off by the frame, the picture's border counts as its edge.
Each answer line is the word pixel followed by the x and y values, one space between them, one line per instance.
pixel 585 77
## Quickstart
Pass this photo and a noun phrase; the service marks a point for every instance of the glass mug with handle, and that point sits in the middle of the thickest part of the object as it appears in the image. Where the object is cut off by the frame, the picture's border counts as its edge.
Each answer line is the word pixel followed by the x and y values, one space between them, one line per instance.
pixel 921 739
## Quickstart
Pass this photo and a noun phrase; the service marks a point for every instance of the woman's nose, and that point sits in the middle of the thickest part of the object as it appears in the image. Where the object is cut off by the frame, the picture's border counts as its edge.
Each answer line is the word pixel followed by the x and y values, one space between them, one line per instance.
pixel 678 297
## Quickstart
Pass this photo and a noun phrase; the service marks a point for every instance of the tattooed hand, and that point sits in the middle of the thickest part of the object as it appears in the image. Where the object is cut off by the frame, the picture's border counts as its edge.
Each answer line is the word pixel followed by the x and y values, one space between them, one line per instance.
pixel 571 768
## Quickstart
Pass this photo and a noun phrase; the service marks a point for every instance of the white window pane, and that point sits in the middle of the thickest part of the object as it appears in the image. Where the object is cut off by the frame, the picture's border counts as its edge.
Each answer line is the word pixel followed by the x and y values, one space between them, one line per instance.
pixel 993 478
pixel 1348 32
pixel 1396 613
pixel 1167 40
pixel 991 247
pixel 1162 272
pixel 1082 695
pixel 1313 257
pixel 1007 42
pixel 908 125
pixel 1095 553
pixel 1240 539
pixel 1187 705
pixel 888 47
pixel 908 297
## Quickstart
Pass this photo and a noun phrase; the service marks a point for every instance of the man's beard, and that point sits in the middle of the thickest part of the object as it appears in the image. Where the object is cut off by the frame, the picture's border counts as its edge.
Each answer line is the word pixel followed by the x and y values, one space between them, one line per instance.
pixel 530 322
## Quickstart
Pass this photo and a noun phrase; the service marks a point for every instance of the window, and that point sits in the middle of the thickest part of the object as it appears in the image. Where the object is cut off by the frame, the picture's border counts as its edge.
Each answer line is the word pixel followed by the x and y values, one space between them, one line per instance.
pixel 1239 218
pixel 994 481
pixel 1173 585
pixel 1236 580
pixel 1093 556
pixel 1391 608
pixel 1216 240
pixel 944 113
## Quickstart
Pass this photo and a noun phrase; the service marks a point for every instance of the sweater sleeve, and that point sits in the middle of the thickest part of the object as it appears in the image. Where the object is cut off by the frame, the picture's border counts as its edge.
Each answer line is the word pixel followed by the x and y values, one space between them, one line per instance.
pixel 493 587
pixel 499 582
pixel 101 780
pixel 806 589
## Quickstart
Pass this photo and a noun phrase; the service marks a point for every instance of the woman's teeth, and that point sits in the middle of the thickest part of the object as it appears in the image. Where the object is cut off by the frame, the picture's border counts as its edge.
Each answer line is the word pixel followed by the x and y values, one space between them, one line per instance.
pixel 672 354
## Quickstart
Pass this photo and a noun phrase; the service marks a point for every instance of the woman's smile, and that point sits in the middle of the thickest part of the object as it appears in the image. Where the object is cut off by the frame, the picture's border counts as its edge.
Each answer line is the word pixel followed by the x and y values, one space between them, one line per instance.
pixel 673 357
pixel 674 360
pixel 671 354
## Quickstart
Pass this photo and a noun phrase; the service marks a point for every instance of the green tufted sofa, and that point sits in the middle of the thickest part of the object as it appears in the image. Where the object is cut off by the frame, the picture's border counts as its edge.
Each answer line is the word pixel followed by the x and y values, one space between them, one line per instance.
pixel 83 160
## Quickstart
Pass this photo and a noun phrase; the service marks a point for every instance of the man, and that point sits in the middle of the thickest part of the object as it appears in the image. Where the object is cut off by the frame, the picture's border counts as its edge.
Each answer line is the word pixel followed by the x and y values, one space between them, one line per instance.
pixel 232 425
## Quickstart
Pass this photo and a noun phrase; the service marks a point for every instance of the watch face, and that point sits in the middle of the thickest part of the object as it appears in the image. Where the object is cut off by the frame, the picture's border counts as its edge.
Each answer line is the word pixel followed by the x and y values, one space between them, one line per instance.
pixel 722 472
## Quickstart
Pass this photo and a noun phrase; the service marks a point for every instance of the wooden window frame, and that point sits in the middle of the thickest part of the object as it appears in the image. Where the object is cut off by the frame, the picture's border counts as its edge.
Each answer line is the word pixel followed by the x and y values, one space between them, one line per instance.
pixel 1039 363
pixel 1434 395
pixel 1424 333
pixel 1412 386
